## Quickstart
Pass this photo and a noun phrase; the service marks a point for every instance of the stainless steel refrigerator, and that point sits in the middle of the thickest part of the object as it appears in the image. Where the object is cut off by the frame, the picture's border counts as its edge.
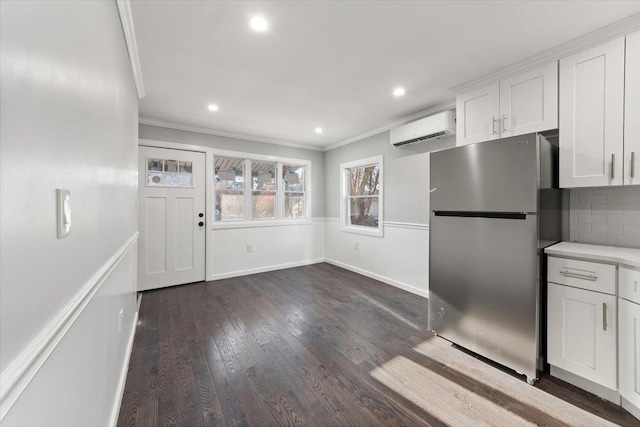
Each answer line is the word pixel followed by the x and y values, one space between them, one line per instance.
pixel 494 206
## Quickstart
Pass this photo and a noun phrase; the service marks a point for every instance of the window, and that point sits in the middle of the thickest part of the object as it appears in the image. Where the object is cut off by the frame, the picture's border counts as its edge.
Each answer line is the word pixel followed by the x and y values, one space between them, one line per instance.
pixel 169 173
pixel 264 191
pixel 260 189
pixel 229 189
pixel 362 196
pixel 293 186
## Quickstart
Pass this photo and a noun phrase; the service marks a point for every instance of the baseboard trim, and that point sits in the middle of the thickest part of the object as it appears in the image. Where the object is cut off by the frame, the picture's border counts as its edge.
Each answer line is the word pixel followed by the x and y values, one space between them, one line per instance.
pixel 630 407
pixel 17 376
pixel 123 373
pixel 380 278
pixel 239 273
pixel 597 389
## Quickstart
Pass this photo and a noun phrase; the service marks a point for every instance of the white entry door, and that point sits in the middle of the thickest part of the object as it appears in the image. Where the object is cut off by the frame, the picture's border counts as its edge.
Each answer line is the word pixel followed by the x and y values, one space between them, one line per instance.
pixel 171 217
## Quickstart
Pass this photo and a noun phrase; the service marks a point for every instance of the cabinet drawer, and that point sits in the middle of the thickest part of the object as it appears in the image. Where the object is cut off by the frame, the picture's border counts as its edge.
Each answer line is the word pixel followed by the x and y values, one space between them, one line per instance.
pixel 593 276
pixel 629 284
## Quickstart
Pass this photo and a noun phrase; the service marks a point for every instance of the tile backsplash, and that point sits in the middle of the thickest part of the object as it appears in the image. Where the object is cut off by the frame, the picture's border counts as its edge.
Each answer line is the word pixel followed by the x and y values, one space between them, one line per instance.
pixel 606 216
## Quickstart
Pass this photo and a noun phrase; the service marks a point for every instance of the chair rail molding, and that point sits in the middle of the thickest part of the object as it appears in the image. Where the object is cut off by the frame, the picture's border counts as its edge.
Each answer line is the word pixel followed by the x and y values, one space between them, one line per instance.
pixel 17 376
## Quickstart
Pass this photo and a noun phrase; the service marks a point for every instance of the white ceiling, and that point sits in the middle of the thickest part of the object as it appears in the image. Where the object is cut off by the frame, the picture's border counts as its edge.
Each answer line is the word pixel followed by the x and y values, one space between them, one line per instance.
pixel 334 64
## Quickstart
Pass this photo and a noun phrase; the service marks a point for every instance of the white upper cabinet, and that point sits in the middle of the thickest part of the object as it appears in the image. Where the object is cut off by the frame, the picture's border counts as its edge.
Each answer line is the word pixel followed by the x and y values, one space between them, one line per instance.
pixel 529 101
pixel 591 116
pixel 632 110
pixel 478 113
pixel 525 103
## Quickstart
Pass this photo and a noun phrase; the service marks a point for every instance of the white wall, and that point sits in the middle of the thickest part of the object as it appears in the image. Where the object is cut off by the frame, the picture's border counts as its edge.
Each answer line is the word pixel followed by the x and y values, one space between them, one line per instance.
pixel 401 256
pixel 274 247
pixel 68 120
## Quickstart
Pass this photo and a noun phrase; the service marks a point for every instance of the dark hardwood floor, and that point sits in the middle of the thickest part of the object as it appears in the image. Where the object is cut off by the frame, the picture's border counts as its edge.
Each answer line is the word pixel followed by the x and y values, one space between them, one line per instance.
pixel 319 345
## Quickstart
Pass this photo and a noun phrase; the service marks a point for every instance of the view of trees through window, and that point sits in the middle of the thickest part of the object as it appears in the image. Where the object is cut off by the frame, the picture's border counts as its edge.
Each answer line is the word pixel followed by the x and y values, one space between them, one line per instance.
pixel 293 184
pixel 229 189
pixel 363 186
pixel 263 196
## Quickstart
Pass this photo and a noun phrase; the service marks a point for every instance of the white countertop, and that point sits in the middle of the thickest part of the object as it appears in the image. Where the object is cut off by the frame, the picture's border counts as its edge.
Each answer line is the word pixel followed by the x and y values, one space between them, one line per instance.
pixel 626 256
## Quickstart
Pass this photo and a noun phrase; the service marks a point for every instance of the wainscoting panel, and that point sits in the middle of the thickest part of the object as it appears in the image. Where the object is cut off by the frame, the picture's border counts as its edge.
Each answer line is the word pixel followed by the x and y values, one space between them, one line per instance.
pixel 400 258
pixel 83 356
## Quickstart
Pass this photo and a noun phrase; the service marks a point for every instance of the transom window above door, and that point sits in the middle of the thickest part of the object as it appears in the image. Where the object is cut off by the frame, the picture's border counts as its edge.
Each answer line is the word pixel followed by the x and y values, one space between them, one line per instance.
pixel 260 190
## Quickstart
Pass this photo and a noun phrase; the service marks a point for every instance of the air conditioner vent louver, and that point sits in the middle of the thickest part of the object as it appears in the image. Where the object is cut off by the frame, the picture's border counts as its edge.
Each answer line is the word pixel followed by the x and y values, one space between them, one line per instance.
pixel 422 138
pixel 433 127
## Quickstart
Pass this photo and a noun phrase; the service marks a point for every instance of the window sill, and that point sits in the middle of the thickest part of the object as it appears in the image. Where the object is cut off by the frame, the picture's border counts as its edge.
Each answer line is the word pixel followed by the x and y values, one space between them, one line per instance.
pixel 260 223
pixel 368 231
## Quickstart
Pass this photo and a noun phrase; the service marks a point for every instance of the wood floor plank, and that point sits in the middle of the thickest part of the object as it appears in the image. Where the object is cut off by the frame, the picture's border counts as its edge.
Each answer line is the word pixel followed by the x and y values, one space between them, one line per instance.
pixel 322 346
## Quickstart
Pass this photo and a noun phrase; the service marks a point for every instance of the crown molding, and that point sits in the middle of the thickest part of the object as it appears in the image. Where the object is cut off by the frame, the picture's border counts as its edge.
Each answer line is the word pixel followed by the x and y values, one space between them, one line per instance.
pixel 601 35
pixel 124 10
pixel 210 131
pixel 419 115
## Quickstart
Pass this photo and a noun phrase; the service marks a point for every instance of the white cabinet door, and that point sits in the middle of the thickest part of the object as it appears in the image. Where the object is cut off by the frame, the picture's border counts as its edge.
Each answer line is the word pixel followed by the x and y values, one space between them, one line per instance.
pixel 632 110
pixel 630 351
pixel 591 116
pixel 478 114
pixel 581 333
pixel 529 101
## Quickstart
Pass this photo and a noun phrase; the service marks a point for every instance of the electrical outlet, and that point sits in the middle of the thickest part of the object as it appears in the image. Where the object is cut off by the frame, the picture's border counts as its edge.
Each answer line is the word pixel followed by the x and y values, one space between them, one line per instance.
pixel 356 246
pixel 249 248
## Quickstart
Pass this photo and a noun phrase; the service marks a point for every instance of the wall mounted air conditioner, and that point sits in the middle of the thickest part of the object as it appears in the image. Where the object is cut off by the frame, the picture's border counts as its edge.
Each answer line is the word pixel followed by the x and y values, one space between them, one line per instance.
pixel 433 127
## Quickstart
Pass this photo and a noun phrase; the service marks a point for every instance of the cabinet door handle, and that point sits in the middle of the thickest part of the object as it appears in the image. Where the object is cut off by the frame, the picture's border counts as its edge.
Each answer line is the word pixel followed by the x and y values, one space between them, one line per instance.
pixel 604 316
pixel 613 166
pixel 590 277
pixel 633 164
pixel 504 124
pixel 493 125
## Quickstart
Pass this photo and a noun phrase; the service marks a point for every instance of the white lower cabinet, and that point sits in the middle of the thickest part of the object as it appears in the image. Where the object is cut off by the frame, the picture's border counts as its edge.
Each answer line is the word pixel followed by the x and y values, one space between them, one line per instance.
pixel 629 340
pixel 582 333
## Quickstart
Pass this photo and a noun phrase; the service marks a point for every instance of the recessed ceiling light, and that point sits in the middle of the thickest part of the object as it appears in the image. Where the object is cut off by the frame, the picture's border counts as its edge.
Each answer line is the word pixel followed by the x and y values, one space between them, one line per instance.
pixel 318 130
pixel 399 91
pixel 259 24
pixel 212 107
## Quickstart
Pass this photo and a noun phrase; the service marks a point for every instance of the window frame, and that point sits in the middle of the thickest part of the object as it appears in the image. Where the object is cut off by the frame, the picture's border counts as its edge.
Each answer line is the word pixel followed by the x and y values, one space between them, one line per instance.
pixel 279 219
pixel 344 197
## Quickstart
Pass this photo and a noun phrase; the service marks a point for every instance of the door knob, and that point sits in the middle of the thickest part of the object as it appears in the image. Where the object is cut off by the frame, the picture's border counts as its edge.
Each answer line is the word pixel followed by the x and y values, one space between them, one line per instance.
pixel 200 214
pixel 201 223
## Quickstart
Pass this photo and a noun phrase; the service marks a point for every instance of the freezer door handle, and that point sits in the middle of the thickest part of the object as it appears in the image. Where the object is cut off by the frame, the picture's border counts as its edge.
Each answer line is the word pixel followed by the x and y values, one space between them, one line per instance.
pixel 495 215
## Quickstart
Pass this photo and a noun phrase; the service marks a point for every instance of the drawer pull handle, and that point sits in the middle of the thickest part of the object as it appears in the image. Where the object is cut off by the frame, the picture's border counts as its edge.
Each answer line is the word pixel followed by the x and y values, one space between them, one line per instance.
pixel 590 277
pixel 604 316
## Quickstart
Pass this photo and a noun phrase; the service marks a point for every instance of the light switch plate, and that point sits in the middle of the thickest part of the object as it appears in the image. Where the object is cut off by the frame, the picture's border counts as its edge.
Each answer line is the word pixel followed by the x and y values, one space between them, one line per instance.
pixel 63 197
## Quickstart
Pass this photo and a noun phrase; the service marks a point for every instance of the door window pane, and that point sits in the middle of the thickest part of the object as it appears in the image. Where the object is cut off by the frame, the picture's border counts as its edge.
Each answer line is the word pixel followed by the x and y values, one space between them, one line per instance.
pixel 169 173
